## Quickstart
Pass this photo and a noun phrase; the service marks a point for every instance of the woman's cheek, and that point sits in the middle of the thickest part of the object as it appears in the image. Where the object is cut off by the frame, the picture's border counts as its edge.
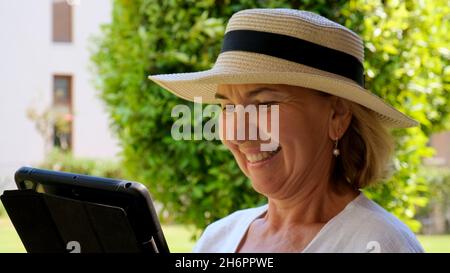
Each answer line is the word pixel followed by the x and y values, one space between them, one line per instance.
pixel 238 156
pixel 241 161
pixel 226 120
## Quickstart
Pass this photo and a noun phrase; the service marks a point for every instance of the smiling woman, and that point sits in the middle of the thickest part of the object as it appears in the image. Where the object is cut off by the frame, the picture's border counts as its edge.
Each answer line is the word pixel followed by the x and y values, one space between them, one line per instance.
pixel 332 136
pixel 364 144
pixel 304 172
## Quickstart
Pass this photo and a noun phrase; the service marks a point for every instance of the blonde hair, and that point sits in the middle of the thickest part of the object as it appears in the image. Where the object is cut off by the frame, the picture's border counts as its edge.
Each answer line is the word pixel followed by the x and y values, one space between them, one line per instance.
pixel 365 149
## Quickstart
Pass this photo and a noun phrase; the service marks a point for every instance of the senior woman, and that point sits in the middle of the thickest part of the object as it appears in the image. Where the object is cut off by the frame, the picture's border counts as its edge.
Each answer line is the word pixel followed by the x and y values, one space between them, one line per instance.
pixel 333 138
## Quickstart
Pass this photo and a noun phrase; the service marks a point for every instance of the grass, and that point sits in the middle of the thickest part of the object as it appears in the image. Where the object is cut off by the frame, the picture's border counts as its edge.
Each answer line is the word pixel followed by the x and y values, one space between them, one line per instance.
pixel 9 240
pixel 435 243
pixel 178 239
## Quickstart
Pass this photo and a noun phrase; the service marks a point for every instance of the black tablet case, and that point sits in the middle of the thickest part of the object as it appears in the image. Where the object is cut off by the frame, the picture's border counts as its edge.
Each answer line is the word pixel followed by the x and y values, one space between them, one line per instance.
pixel 47 223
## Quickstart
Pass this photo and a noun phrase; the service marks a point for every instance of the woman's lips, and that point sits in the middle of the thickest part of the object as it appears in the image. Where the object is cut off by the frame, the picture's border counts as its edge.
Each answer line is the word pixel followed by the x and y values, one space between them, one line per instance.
pixel 260 158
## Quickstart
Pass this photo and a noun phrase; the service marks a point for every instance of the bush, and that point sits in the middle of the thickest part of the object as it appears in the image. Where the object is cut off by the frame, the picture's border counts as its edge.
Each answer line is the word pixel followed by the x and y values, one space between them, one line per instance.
pixel 3 186
pixel 2 210
pixel 198 181
pixel 435 214
pixel 59 160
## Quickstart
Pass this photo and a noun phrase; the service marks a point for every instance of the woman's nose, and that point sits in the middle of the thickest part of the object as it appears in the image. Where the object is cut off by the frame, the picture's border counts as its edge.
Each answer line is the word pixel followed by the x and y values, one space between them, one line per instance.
pixel 240 125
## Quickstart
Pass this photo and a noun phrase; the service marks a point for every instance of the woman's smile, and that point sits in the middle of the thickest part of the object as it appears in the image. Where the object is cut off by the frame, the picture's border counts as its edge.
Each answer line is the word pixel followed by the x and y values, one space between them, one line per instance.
pixel 260 158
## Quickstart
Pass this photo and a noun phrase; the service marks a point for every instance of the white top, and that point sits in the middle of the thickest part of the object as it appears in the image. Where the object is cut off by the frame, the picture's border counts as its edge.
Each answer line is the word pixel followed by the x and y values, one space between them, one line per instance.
pixel 362 226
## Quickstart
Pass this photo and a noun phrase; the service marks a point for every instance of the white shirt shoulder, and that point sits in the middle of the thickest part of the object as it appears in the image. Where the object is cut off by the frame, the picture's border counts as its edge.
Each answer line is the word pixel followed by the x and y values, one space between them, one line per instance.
pixel 223 235
pixel 363 226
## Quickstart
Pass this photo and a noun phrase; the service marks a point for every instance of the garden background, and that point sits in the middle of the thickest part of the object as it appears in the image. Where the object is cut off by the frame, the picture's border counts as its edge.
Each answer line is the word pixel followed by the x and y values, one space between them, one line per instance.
pixel 197 182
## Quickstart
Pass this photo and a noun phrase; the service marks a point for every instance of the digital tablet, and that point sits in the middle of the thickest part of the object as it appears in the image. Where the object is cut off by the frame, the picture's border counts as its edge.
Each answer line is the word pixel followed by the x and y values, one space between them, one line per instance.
pixel 56 211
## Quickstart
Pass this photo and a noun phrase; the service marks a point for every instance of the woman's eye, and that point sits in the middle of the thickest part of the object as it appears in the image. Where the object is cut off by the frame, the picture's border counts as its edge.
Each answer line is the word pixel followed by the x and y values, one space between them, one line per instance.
pixel 268 103
pixel 230 106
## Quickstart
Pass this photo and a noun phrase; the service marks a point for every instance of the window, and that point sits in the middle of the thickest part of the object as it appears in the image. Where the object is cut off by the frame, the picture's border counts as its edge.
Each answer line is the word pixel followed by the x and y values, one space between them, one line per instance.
pixel 62 109
pixel 62 21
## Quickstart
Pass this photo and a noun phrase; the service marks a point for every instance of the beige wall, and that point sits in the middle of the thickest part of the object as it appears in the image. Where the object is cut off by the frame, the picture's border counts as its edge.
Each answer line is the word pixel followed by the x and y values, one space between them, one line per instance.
pixel 441 142
pixel 29 59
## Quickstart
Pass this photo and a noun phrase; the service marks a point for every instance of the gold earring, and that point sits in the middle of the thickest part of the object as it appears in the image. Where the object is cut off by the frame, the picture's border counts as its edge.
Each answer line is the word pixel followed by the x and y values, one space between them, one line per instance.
pixel 336 151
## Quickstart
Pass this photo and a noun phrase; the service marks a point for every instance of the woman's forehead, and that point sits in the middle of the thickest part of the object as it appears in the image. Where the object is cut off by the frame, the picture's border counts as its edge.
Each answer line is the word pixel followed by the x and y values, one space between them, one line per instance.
pixel 227 91
pixel 249 87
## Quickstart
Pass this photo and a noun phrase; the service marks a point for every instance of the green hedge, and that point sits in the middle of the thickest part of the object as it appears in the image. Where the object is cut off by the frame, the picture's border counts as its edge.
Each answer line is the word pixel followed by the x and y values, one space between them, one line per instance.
pixel 439 192
pixel 2 210
pixel 198 181
pixel 59 160
pixel 64 161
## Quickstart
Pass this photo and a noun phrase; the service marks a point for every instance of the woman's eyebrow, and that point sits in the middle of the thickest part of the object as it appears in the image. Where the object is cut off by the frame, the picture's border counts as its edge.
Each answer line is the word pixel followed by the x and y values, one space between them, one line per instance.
pixel 260 90
pixel 220 96
pixel 250 94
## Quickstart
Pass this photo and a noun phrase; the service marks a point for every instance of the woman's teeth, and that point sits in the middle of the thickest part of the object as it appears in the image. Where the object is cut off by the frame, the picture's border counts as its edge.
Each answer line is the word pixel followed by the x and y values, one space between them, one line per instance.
pixel 252 158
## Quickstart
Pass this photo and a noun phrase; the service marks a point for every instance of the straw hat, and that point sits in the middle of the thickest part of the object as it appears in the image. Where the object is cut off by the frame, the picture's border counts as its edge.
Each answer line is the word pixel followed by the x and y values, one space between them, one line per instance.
pixel 286 46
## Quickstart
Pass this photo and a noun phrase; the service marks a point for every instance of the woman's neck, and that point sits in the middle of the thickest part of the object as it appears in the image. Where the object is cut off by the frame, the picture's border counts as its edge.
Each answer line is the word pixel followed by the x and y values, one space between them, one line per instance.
pixel 317 204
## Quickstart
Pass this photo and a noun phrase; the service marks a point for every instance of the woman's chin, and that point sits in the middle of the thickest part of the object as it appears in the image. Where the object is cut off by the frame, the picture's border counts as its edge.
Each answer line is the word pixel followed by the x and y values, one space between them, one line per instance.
pixel 264 186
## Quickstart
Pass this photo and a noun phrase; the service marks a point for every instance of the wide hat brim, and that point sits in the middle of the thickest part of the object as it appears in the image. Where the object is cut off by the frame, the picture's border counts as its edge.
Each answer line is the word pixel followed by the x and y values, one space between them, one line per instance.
pixel 204 84
pixel 285 46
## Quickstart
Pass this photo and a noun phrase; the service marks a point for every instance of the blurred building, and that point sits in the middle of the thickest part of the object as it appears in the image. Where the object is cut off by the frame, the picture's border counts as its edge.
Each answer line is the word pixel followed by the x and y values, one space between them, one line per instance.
pixel 45 70
pixel 436 220
pixel 441 143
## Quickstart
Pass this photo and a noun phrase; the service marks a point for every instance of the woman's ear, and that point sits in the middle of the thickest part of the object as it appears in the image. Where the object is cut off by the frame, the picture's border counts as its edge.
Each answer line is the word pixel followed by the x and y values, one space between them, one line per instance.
pixel 340 117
